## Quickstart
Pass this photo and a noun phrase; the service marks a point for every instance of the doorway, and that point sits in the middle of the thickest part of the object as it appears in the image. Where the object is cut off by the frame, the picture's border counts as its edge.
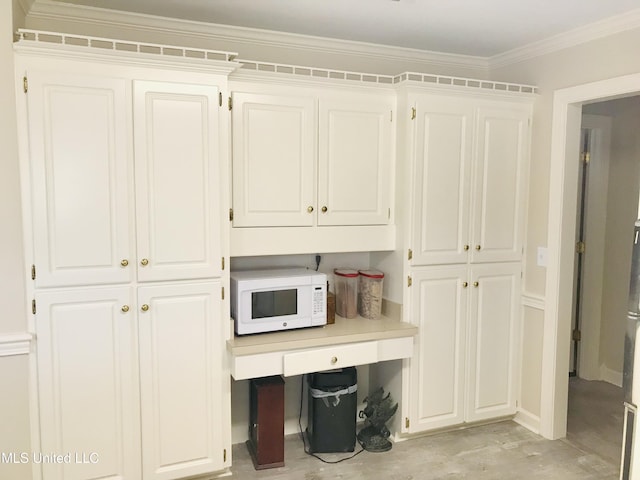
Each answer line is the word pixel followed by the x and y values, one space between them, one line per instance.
pixel 563 194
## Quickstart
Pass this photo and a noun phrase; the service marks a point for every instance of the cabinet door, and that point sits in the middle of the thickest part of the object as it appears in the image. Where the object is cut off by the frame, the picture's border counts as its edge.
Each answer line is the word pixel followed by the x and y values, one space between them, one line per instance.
pixel 493 340
pixel 274 160
pixel 437 368
pixel 81 184
pixel 354 145
pixel 177 180
pixel 443 140
pixel 88 383
pixel 498 200
pixel 181 381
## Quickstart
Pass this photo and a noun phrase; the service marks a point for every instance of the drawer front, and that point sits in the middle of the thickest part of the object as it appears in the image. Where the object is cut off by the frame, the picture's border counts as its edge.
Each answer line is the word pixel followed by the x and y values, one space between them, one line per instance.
pixel 320 359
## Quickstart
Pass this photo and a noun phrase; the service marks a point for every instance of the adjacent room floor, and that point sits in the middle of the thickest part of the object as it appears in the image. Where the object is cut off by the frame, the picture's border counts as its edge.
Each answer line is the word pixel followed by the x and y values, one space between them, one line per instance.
pixel 498 451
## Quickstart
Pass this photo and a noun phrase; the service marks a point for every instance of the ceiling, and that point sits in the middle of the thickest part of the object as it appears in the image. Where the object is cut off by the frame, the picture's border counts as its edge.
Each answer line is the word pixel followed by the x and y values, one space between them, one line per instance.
pixel 481 28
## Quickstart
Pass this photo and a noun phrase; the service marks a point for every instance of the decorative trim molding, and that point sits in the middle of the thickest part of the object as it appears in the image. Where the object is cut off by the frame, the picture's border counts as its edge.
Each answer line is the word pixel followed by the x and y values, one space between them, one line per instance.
pixel 53 10
pixel 532 300
pixel 15 344
pixel 587 33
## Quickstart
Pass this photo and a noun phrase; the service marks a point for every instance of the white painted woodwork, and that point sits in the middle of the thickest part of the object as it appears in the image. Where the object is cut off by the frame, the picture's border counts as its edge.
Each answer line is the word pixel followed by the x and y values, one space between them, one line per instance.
pixel 177 180
pixel 437 387
pixel 181 379
pixel 274 160
pixel 465 365
pixel 80 175
pixel 493 339
pixel 355 160
pixel 499 182
pixel 443 133
pixel 88 383
pixel 469 182
pixel 321 359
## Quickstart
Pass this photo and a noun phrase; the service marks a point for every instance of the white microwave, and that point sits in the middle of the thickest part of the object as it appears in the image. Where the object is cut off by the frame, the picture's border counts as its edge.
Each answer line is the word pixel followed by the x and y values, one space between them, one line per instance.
pixel 277 299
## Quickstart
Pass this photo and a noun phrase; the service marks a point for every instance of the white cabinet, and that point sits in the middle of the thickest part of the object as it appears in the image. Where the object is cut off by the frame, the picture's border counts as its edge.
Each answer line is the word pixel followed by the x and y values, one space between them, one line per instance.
pixel 470 158
pixel 181 378
pixel 88 383
pixel 464 368
pixel 80 161
pixel 316 160
pixel 177 180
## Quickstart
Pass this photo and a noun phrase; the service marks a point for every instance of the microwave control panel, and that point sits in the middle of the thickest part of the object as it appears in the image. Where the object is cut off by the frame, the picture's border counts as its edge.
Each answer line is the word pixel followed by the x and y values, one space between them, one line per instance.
pixel 319 301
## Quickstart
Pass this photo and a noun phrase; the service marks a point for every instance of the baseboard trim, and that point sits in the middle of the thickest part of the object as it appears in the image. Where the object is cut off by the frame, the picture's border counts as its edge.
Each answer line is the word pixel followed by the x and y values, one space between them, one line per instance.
pixel 610 376
pixel 15 344
pixel 528 420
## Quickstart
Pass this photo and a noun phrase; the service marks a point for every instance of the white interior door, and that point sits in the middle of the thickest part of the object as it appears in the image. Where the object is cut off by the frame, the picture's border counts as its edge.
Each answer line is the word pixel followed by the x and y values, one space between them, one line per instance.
pixel 81 181
pixel 177 180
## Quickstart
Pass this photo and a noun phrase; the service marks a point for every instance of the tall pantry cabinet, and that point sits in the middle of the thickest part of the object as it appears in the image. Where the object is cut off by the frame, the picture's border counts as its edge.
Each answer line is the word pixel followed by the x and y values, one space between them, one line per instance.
pixel 467 170
pixel 123 157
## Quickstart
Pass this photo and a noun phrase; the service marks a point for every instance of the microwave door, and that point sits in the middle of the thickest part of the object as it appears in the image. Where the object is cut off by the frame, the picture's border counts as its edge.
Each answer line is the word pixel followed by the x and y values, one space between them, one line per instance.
pixel 274 303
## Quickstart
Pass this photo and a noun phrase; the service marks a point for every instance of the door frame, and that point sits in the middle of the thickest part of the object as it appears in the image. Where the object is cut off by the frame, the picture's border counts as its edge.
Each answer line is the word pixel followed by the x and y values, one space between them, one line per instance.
pixel 563 177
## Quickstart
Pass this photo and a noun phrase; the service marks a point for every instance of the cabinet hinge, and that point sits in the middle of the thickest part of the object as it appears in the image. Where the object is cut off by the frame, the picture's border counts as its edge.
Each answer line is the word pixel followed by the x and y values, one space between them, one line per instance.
pixel 389 213
pixel 391 116
pixel 580 247
pixel 33 306
pixel 33 272
pixel 406 422
pixel 231 214
pixel 222 263
pixel 576 335
pixel 219 99
pixel 409 254
pixel 25 84
pixel 222 293
pixel 409 281
pixel 224 455
pixel 413 113
pixel 230 103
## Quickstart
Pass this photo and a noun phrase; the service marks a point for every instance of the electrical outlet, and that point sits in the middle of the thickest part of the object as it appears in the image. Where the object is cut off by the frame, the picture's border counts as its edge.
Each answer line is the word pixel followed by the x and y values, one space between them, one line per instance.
pixel 542 257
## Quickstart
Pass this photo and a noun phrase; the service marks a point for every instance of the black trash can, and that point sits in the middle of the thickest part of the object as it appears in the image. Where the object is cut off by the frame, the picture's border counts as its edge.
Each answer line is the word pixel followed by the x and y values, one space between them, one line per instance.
pixel 331 421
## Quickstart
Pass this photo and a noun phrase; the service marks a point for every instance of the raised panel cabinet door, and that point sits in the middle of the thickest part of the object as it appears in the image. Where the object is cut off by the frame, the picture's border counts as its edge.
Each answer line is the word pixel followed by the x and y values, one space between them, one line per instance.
pixel 177 180
pixel 443 130
pixel 499 186
pixel 437 368
pixel 82 209
pixel 493 340
pixel 355 160
pixel 274 160
pixel 88 384
pixel 185 414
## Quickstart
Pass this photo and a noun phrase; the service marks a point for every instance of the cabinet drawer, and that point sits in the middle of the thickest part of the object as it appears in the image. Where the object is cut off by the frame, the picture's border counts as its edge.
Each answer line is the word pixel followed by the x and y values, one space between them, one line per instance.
pixel 321 359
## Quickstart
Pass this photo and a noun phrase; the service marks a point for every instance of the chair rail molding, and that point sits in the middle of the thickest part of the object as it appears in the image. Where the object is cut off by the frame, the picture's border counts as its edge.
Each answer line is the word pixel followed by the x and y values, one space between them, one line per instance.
pixel 15 344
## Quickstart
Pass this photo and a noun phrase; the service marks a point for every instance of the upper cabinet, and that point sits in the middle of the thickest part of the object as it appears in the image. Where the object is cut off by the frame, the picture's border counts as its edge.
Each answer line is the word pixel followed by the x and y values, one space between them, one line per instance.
pixel 83 157
pixel 469 180
pixel 307 161
pixel 321 158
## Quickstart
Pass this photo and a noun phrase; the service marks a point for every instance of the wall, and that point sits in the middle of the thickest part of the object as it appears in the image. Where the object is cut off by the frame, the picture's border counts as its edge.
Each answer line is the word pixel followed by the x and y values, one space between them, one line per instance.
pixel 14 401
pixel 607 57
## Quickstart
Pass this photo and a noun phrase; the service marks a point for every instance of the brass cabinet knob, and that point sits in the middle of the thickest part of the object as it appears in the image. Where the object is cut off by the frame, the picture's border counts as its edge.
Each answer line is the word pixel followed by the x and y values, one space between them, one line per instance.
pixel 324 209
pixel 310 209
pixel 124 262
pixel 144 262
pixel 145 307
pixel 478 247
pixel 465 284
pixel 466 247
pixel 334 360
pixel 125 308
pixel 475 284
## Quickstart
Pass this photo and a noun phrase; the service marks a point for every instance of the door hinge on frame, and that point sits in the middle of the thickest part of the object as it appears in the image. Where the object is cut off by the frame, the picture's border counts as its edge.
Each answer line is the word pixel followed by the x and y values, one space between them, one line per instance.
pixel 413 113
pixel 222 263
pixel 576 335
pixel 230 103
pixel 224 455
pixel 25 84
pixel 33 272
pixel 231 214
pixel 585 157
pixel 580 247
pixel 409 281
pixel 222 293
pixel 409 254
pixel 406 422
pixel 33 306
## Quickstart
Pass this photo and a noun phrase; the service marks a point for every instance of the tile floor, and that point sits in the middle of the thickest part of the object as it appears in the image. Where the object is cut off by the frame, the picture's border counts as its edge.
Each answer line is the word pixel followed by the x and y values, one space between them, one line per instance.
pixel 505 450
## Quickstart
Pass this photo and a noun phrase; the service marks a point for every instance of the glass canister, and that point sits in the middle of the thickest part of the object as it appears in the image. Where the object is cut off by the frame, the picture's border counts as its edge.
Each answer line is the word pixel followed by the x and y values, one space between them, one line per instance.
pixel 346 287
pixel 370 293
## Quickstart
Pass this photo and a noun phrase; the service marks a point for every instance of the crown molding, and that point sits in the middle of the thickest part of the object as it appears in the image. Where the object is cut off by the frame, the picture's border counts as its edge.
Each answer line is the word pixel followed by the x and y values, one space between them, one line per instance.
pixel 25 5
pixel 54 10
pixel 578 36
